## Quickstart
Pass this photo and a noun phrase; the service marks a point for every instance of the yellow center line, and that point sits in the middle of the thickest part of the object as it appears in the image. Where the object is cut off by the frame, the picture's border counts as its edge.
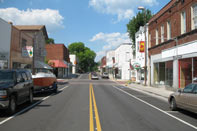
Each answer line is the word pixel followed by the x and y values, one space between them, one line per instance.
pixel 91 112
pixel 98 124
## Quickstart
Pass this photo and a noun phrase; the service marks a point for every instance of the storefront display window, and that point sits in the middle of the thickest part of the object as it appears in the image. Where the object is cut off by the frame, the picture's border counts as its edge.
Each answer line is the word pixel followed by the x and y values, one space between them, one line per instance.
pixel 185 72
pixel 195 68
pixel 169 73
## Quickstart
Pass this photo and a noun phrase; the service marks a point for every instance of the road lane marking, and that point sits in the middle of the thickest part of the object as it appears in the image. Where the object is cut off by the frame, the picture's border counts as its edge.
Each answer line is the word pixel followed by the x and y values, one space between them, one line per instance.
pixel 157 108
pixel 91 112
pixel 63 88
pixel 98 124
pixel 29 107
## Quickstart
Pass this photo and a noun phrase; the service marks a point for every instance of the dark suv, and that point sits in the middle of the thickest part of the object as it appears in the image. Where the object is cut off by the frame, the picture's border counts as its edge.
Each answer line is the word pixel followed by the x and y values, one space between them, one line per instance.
pixel 16 87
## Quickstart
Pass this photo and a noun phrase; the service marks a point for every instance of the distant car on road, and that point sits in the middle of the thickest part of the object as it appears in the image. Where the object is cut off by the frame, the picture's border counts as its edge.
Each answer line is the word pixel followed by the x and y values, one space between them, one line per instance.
pixel 184 98
pixel 94 76
pixel 16 87
pixel 105 75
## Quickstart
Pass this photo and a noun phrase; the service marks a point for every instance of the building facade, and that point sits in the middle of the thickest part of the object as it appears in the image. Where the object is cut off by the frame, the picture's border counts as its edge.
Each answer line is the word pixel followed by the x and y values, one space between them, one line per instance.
pixel 74 61
pixel 5 43
pixel 103 65
pixel 110 61
pixel 58 57
pixel 173 44
pixel 139 60
pixel 123 58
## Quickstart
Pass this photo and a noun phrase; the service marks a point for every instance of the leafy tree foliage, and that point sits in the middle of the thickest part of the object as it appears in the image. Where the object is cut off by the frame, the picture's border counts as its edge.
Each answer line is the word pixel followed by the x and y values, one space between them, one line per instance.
pixel 139 20
pixel 85 55
pixel 50 41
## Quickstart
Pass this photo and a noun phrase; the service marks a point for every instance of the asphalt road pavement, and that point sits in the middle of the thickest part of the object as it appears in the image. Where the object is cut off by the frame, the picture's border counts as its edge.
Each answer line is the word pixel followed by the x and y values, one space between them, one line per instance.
pixel 89 105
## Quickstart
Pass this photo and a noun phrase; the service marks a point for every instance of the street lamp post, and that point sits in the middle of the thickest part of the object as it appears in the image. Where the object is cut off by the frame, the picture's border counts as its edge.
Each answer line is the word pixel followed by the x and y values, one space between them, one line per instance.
pixel 145 45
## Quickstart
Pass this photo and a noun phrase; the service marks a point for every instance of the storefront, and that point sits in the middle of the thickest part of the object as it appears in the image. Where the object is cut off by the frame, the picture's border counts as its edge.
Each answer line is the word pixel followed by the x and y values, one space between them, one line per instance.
pixel 175 67
pixel 187 71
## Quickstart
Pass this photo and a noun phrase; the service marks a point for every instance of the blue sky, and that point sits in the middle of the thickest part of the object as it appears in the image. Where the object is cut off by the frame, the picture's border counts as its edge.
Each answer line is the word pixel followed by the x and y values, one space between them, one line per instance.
pixel 99 24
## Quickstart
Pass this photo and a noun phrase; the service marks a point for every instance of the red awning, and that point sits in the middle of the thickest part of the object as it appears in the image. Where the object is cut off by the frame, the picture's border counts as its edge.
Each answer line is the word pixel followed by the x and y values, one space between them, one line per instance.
pixel 57 64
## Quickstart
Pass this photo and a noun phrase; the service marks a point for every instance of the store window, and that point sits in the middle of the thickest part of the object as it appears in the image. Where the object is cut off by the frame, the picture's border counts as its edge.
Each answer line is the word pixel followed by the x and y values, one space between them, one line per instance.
pixel 185 72
pixel 169 74
pixel 195 68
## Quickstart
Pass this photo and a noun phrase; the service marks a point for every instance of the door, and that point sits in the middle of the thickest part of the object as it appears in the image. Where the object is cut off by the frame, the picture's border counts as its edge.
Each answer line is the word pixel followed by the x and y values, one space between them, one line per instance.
pixel 19 87
pixel 192 99
pixel 26 85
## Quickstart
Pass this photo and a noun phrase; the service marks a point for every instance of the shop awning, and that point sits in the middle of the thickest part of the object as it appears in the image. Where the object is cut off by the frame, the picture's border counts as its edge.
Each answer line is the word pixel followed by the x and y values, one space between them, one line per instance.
pixel 58 64
pixel 41 65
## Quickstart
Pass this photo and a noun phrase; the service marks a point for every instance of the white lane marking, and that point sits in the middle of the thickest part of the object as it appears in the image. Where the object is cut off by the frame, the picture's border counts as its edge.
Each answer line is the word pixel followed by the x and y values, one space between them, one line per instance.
pixel 80 76
pixel 29 107
pixel 63 88
pixel 157 108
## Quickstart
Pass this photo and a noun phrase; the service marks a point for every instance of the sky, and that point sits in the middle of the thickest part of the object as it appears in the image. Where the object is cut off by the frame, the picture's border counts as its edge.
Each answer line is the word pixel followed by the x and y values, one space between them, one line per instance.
pixel 99 24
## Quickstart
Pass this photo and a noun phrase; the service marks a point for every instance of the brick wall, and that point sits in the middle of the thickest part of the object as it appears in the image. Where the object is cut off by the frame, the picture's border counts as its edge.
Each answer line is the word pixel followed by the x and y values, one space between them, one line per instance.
pixel 171 12
pixel 57 52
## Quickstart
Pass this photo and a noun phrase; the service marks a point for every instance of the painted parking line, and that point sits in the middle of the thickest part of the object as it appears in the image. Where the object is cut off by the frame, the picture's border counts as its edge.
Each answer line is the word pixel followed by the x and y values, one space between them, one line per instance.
pixel 92 100
pixel 186 123
pixel 29 107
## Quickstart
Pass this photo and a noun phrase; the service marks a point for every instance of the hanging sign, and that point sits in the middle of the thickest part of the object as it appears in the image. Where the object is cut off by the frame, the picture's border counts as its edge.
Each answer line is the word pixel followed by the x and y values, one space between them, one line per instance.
pixel 27 51
pixel 142 43
pixel 136 66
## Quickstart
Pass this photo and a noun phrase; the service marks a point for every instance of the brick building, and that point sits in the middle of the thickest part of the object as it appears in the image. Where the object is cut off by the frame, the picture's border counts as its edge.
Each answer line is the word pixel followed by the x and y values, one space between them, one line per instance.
pixel 58 57
pixel 173 44
pixel 103 64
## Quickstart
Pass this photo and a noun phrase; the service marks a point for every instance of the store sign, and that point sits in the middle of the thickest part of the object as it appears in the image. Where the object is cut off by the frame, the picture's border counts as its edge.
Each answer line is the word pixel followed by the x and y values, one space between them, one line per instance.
pixel 27 51
pixel 136 66
pixel 142 43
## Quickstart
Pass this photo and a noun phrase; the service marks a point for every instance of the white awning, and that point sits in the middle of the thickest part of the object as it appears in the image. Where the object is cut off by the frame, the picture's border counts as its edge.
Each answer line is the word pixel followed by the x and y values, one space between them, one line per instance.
pixel 39 64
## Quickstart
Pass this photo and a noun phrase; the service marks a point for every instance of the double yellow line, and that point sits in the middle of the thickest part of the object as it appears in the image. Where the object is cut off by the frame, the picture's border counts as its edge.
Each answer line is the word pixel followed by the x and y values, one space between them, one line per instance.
pixel 93 105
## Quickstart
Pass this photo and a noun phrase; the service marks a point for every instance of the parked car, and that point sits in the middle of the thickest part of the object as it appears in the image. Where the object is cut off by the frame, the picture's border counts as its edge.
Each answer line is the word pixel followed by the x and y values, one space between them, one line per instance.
pixel 94 76
pixel 184 98
pixel 16 87
pixel 105 75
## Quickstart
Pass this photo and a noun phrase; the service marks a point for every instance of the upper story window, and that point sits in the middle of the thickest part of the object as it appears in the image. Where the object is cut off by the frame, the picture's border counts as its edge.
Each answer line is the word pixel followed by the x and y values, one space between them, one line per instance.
pixel 168 30
pixel 183 22
pixel 149 40
pixel 24 42
pixel 194 16
pixel 162 33
pixel 157 37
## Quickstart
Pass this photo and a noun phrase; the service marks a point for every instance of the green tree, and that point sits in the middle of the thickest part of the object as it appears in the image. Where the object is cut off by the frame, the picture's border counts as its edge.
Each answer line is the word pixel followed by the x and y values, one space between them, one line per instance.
pixel 85 55
pixel 139 20
pixel 50 41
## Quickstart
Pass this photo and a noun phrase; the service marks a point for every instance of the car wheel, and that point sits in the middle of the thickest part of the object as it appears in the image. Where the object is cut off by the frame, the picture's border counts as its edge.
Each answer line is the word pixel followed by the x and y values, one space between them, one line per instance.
pixel 12 105
pixel 30 96
pixel 173 105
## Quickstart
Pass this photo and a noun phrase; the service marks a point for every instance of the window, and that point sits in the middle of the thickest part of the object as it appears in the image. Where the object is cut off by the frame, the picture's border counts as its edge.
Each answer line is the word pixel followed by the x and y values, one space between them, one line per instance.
pixel 149 40
pixel 189 88
pixel 162 34
pixel 24 43
pixel 183 22
pixel 168 30
pixel 18 77
pixel 194 16
pixel 24 76
pixel 157 38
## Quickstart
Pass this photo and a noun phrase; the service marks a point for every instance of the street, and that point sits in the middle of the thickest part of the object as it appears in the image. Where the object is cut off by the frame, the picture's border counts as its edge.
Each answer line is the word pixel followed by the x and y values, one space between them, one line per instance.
pixel 89 105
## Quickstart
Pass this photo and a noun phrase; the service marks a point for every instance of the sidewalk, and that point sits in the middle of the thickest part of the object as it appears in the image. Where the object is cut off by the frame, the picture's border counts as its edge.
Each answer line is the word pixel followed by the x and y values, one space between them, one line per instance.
pixel 159 91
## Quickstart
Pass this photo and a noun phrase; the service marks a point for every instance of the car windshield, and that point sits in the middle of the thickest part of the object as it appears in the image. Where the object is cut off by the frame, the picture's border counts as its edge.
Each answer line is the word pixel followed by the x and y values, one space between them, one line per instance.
pixel 6 76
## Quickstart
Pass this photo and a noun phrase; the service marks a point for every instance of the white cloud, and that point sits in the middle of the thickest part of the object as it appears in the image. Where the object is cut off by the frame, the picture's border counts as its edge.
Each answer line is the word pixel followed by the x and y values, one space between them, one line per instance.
pixel 124 9
pixel 51 18
pixel 112 40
